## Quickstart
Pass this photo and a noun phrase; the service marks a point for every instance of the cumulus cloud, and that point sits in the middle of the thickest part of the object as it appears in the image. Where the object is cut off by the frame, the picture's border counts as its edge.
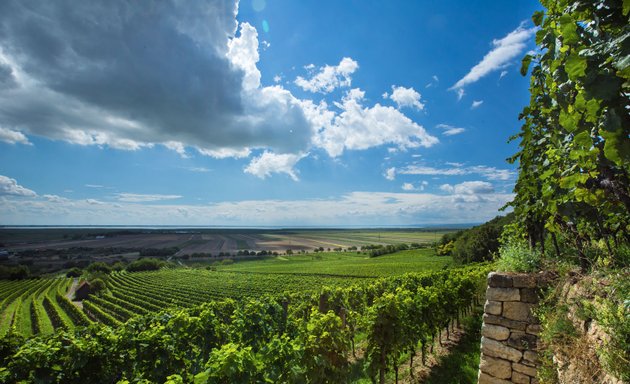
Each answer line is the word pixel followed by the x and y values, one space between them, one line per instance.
pixel 141 198
pixel 476 104
pixel 13 137
pixel 411 187
pixel 10 187
pixel 359 127
pixel 390 173
pixel 468 188
pixel 184 76
pixel 128 76
pixel 406 97
pixel 450 130
pixel 504 50
pixel 328 77
pixel 457 169
pixel 268 163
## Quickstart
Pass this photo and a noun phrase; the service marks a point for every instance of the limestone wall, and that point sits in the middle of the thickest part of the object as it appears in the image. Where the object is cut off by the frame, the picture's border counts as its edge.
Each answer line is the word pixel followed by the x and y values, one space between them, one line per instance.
pixel 509 331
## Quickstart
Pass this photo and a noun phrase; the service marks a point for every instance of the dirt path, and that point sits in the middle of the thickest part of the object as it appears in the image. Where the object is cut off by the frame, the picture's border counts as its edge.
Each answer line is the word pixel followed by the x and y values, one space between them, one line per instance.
pixel 70 293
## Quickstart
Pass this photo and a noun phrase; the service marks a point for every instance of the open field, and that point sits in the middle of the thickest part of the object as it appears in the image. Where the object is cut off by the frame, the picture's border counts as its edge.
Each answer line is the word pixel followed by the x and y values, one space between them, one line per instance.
pixel 213 241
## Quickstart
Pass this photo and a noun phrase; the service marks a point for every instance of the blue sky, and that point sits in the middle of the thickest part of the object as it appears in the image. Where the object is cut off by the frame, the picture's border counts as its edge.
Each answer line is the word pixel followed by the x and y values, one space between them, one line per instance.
pixel 259 113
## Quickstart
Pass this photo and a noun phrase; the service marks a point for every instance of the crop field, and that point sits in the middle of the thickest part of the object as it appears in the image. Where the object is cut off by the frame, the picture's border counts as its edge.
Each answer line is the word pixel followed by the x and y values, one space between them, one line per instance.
pixel 345 264
pixel 40 306
pixel 213 241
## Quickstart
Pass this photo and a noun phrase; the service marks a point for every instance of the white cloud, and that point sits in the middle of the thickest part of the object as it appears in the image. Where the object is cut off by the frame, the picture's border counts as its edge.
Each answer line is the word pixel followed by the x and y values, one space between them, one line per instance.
pixel 141 198
pixel 94 186
pixel 504 50
pixel 268 163
pixel 503 74
pixel 408 187
pixel 476 104
pixel 357 127
pixel 355 208
pixel 328 78
pixel 450 130
pixel 406 97
pixel 390 173
pixel 277 78
pixel 490 173
pixel 468 188
pixel 10 187
pixel 13 137
pixel 460 93
pixel 204 94
pixel 197 169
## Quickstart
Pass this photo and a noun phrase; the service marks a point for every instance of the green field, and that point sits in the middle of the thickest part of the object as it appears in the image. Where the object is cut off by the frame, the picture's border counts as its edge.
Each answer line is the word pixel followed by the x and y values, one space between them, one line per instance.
pixel 345 264
pixel 38 306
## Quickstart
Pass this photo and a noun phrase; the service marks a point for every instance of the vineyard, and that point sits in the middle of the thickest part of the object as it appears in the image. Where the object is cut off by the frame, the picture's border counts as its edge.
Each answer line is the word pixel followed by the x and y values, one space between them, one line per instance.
pixel 40 306
pixel 238 334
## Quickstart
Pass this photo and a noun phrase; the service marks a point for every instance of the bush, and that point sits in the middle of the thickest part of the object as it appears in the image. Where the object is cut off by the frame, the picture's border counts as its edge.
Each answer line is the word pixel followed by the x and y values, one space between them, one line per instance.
pixel 516 256
pixel 97 285
pixel 145 265
pixel 99 266
pixel 74 272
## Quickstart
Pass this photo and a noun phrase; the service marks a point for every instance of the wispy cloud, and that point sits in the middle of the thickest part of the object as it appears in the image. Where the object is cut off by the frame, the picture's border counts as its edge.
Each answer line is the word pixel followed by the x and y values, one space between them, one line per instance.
pixel 504 50
pixel 142 198
pixel 476 104
pixel 490 173
pixel 450 130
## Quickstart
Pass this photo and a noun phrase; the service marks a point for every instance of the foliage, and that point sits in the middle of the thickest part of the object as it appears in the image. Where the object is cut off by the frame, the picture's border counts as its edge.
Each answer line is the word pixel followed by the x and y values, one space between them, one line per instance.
pixel 296 338
pixel 480 243
pixel 574 149
pixel 99 267
pixel 74 272
pixel 148 264
pixel 17 272
pixel 517 256
pixel 97 285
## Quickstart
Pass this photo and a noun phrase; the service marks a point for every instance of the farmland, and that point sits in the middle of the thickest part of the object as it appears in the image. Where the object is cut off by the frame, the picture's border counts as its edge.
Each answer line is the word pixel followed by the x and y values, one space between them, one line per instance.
pixel 31 306
pixel 203 240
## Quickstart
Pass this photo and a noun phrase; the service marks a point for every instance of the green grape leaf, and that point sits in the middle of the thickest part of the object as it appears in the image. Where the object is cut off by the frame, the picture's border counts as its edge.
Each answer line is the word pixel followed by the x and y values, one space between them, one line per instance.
pixel 575 66
pixel 525 64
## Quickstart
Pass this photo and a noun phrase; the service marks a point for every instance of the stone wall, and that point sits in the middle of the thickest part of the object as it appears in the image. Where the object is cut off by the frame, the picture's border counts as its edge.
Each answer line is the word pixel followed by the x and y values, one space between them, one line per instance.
pixel 509 331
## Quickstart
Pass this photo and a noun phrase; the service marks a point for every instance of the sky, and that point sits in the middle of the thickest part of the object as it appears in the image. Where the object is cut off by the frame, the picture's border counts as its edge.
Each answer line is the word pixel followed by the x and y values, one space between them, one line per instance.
pixel 260 113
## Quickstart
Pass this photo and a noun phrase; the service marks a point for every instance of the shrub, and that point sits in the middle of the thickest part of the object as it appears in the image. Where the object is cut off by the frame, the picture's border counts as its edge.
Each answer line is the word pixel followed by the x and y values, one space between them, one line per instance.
pixel 74 272
pixel 516 256
pixel 145 265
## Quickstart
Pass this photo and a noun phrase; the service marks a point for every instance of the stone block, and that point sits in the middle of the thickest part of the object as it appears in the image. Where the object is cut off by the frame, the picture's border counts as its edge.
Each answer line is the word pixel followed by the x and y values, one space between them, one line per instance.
pixel 493 307
pixel 503 294
pixel 498 368
pixel 494 348
pixel 524 281
pixel 484 378
pixel 534 329
pixel 533 381
pixel 498 320
pixel 519 378
pixel 524 369
pixel 518 311
pixel 495 332
pixel 522 340
pixel 530 358
pixel 529 295
pixel 499 280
